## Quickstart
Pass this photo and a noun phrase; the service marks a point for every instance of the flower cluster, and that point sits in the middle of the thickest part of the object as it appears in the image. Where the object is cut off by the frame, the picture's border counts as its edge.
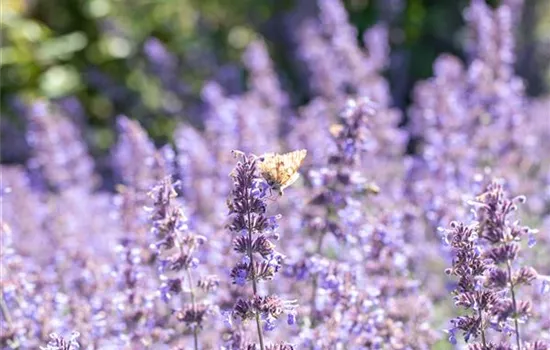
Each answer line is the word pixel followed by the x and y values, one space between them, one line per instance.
pixel 486 255
pixel 341 312
pixel 58 342
pixel 129 246
pixel 175 247
pixel 58 153
pixel 254 233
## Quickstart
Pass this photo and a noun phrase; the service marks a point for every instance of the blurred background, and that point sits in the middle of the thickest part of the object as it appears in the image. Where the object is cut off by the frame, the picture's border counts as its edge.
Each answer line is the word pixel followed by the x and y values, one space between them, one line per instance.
pixel 149 59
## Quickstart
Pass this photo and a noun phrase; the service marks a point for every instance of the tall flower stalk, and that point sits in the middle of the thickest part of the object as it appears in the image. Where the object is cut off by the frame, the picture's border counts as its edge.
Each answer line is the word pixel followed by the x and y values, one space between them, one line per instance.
pixel 254 235
pixel 339 183
pixel 485 254
pixel 176 246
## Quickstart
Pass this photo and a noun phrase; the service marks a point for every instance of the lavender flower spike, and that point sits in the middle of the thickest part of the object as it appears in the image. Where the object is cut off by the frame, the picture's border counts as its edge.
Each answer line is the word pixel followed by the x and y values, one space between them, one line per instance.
pixel 253 233
pixel 485 260
pixel 176 246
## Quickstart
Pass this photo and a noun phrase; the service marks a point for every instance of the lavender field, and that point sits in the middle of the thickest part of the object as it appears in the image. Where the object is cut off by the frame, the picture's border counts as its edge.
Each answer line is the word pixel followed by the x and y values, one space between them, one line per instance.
pixel 423 227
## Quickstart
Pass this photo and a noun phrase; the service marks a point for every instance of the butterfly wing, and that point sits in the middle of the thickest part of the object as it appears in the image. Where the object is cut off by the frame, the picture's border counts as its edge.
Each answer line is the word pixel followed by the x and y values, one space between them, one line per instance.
pixel 289 165
pixel 281 170
pixel 268 167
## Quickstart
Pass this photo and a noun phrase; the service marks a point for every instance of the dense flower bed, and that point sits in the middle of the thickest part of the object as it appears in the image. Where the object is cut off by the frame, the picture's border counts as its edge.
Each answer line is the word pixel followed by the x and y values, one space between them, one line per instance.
pixel 431 234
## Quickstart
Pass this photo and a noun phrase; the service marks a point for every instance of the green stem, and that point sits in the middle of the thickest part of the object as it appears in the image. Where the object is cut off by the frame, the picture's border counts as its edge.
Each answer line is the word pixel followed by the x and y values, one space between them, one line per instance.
pixel 315 282
pixel 255 290
pixel 514 304
pixel 5 310
pixel 193 303
pixel 253 272
pixel 190 250
pixel 483 340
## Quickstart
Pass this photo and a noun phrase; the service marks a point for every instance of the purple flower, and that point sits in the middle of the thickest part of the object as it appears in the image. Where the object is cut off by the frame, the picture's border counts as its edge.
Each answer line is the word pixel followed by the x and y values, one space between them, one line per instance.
pixel 58 342
pixel 176 260
pixel 247 214
pixel 485 253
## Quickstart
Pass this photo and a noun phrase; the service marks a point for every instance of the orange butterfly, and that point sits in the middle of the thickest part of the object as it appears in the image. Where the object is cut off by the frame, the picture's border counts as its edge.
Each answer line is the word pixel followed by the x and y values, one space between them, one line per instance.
pixel 281 170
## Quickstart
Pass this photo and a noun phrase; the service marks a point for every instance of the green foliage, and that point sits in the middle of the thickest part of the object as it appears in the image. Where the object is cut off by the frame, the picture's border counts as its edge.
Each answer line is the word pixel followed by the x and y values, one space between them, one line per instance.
pixel 93 49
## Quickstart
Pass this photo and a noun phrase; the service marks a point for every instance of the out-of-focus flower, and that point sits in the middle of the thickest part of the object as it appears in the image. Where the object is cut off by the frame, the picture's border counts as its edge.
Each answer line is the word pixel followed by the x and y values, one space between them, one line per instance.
pixel 58 342
pixel 175 247
pixel 58 153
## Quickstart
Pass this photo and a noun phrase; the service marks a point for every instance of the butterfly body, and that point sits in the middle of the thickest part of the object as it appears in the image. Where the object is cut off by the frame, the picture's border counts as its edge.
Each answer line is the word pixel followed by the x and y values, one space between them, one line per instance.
pixel 281 170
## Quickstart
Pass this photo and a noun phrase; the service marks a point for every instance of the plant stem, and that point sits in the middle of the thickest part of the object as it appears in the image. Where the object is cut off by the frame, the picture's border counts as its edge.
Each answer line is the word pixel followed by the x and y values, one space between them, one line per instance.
pixel 5 311
pixel 191 285
pixel 193 303
pixel 514 304
pixel 483 340
pixel 255 290
pixel 253 272
pixel 315 282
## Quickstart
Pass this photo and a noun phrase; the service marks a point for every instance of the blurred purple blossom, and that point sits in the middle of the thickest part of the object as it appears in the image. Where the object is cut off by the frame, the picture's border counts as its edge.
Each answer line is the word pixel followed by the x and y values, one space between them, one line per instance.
pixel 363 256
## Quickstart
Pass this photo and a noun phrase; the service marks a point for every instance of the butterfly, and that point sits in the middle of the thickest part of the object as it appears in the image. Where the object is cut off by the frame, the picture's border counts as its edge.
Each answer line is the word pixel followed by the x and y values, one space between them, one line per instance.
pixel 281 170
